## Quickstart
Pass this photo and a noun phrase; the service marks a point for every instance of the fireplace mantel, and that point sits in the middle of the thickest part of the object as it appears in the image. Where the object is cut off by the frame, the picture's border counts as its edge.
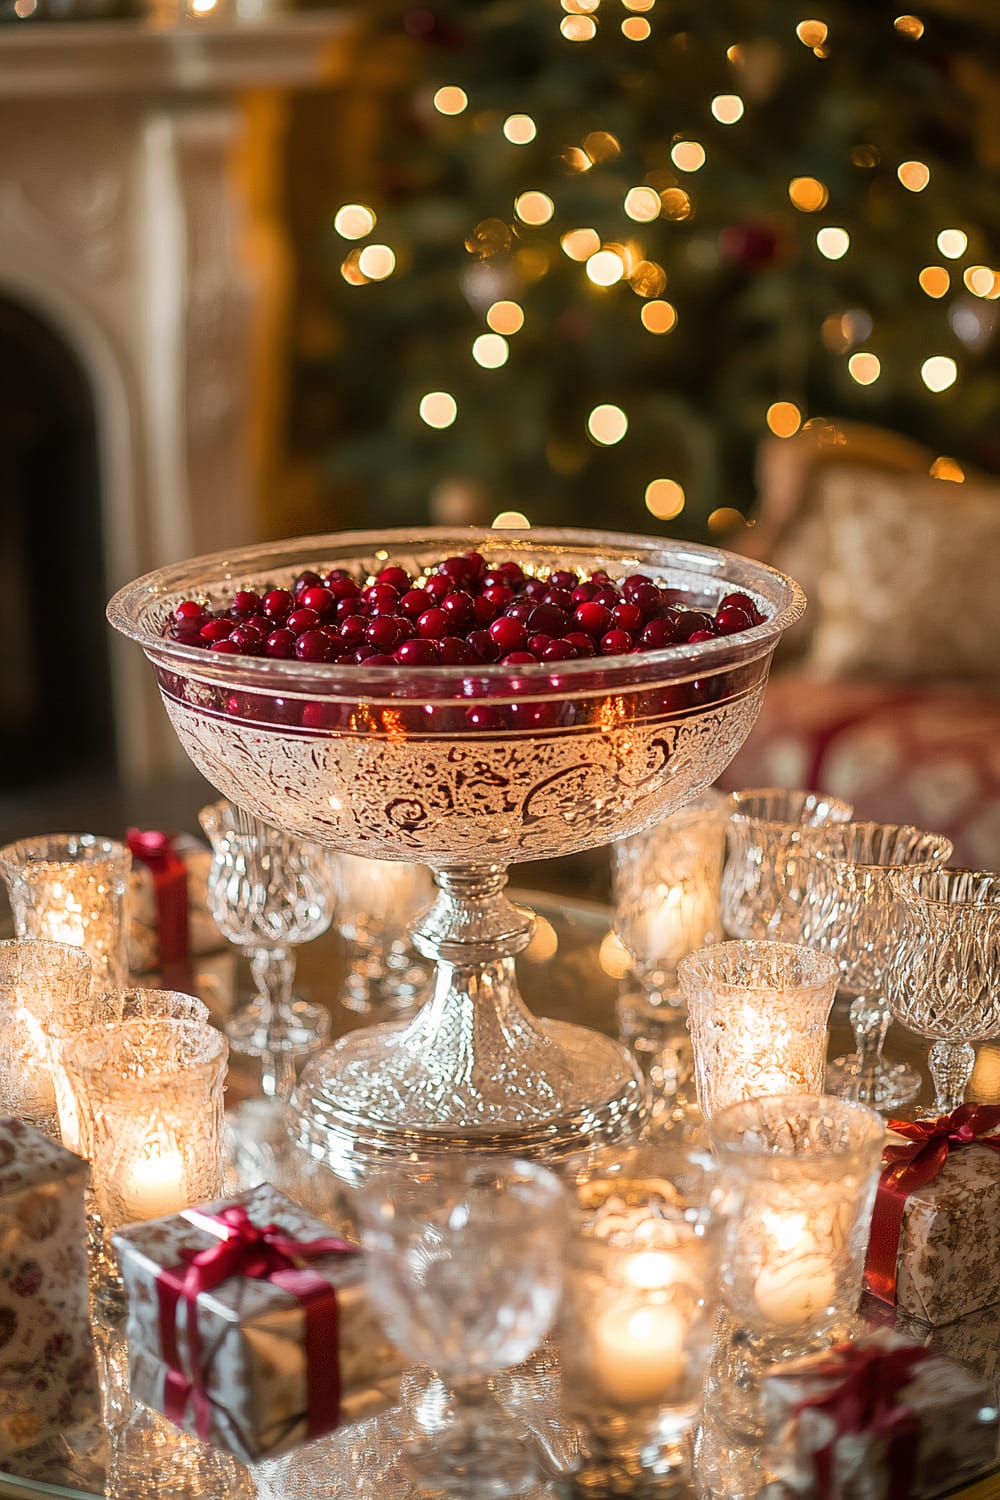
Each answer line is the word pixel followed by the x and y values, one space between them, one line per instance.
pixel 140 218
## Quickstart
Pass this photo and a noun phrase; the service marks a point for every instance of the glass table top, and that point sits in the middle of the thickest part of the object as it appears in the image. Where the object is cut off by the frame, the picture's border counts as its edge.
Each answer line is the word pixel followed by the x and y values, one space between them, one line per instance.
pixel 574 970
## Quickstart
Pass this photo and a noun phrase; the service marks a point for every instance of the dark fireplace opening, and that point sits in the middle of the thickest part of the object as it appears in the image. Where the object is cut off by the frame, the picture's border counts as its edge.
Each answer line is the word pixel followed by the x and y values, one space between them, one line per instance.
pixel 55 681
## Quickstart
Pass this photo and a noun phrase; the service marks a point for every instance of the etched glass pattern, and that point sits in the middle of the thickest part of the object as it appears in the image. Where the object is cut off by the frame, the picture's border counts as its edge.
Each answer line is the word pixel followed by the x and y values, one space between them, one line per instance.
pixel 39 980
pixel 763 829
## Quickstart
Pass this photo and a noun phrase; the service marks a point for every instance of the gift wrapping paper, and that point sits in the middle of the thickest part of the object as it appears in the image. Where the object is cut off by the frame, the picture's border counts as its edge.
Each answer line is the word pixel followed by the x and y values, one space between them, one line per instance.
pixel 250 1333
pixel 48 1377
pixel 943 1415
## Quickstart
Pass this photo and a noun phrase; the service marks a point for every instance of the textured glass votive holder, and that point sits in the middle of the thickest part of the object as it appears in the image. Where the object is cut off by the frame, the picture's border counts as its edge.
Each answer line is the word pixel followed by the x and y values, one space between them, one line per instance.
pixel 38 980
pixel 665 891
pixel 375 899
pixel 763 828
pixel 758 1014
pixel 70 888
pixel 802 1172
pixel 638 1316
pixel 149 1098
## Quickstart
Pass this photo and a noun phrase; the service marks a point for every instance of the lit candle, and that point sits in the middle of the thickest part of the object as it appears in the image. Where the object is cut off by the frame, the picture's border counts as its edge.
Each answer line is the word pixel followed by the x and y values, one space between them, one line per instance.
pixel 638 1355
pixel 798 1285
pixel 155 1184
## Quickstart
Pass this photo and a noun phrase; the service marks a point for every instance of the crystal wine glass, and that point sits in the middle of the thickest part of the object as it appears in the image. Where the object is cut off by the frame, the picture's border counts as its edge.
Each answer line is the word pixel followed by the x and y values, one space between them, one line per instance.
pixel 944 981
pixel 465 1269
pixel 465 768
pixel 847 907
pixel 268 892
pixel 763 829
pixel 375 899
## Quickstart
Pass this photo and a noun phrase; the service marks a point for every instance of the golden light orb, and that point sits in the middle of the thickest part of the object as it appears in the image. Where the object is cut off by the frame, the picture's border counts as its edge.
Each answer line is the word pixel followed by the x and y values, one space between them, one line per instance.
pixel 451 100
pixel 377 262
pixel 658 317
pixel 353 221
pixel 642 204
pixel 578 28
pixel 980 281
pixel 601 145
pixel 490 351
pixel 351 270
pixel 833 243
pixel 438 409
pixel 939 372
pixel 664 499
pixel 607 424
pixel 580 244
pixel 490 237
pixel 613 957
pixel 783 418
pixel 725 518
pixel 808 194
pixel 534 207
pixel 505 317
pixel 636 29
pixel 510 520
pixel 935 281
pixel 642 5
pixel 949 469
pixel 812 33
pixel 647 278
pixel 865 156
pixel 727 108
pixel 520 130
pixel 605 268
pixel 580 7
pixel 676 205
pixel 914 175
pixel 953 243
pixel 910 26
pixel 865 368
pixel 688 156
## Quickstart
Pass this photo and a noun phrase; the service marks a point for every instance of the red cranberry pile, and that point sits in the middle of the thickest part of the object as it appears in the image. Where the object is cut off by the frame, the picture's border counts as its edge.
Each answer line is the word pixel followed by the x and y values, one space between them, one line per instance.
pixel 465 612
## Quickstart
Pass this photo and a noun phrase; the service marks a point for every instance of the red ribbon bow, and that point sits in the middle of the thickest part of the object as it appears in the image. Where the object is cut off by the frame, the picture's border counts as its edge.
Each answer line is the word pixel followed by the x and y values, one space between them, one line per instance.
pixel 156 851
pixel 264 1253
pixel 908 1166
pixel 864 1399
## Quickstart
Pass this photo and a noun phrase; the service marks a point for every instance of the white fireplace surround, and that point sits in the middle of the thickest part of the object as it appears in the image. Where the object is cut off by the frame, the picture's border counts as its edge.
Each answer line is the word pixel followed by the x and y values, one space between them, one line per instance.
pixel 124 229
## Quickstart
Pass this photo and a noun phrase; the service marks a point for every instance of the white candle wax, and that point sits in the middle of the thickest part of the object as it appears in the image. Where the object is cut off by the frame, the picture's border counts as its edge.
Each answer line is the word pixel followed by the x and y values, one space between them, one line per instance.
pixel 154 1185
pixel 637 1353
pixel 798 1284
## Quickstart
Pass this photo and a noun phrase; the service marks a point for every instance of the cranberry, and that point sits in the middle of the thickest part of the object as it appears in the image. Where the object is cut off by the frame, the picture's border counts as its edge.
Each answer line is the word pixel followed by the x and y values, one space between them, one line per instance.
pixel 382 632
pixel 459 607
pixel 482 716
pixel 483 644
pixel 280 644
pixel 627 617
pixel 730 619
pixel 584 592
pixel 561 598
pixel 562 578
pixel 380 659
pixel 341 586
pixel 593 618
pixel 454 652
pixel 248 639
pixel 477 562
pixel 520 609
pixel 352 630
pixel 227 647
pixel 616 643
pixel 508 635
pixel 646 597
pixel 362 653
pixel 560 650
pixel 418 652
pixel 187 632
pixel 599 575
pixel 518 659
pixel 189 609
pixel 634 582
pixel 460 567
pixel 739 601
pixel 538 642
pixel 397 578
pixel 381 599
pixel 583 642
pixel 691 620
pixel 414 602
pixel 313 645
pixel 302 619
pixel 217 630
pixel 246 602
pixel 318 598
pixel 698 636
pixel 438 585
pixel 607 595
pixel 551 619
pixel 674 698
pixel 345 608
pixel 657 634
pixel 498 594
pixel 306 580
pixel 513 572
pixel 484 610
pixel 534 588
pixel 318 716
pixel 433 624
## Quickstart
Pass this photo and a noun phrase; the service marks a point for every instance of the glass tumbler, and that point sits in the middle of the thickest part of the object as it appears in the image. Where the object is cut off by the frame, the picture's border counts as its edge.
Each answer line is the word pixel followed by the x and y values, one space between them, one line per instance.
pixel 763 828
pixel 39 982
pixel 758 1014
pixel 70 888
pixel 465 1269
pixel 374 901
pixel 944 981
pixel 638 1316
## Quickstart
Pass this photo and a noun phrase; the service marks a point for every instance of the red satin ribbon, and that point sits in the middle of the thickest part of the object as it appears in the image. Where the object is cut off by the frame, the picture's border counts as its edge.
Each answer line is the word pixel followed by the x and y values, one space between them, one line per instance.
pixel 864 1399
pixel 265 1253
pixel 156 851
pixel 907 1167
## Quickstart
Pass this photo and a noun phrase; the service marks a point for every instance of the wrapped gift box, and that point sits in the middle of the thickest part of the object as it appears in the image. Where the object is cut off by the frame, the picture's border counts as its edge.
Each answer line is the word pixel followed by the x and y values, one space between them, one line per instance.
pixel 881 1419
pixel 47 1373
pixel 168 885
pixel 268 1360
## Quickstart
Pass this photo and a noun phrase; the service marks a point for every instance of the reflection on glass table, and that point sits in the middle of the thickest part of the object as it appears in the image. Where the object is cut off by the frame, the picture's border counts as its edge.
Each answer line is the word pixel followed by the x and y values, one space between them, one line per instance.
pixel 571 971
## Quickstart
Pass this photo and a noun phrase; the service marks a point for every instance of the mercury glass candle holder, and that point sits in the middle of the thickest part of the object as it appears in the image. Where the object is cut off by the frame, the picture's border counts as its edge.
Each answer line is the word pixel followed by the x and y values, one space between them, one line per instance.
pixel 638 1316
pixel 763 829
pixel 374 902
pixel 846 906
pixel 665 891
pixel 269 892
pixel 149 1102
pixel 944 981
pixel 70 888
pixel 801 1172
pixel 38 980
pixel 758 1014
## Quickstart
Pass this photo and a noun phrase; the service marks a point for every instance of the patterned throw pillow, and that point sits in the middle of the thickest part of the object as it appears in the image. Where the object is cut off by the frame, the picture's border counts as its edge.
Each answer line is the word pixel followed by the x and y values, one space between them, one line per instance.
pixel 910 588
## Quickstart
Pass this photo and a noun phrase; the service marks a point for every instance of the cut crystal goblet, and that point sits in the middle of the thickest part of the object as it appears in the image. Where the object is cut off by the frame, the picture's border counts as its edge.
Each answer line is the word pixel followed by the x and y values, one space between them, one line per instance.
pixel 763 830
pixel 944 981
pixel 846 906
pixel 268 892
pixel 465 769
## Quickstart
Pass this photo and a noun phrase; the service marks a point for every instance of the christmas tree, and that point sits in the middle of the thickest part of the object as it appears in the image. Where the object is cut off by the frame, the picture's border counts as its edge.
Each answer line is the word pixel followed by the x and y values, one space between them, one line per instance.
pixel 607 245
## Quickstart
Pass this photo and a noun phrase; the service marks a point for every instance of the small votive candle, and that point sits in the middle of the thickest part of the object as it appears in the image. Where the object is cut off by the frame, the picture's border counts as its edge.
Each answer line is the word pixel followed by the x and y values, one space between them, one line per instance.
pixel 149 1099
pixel 70 888
pixel 758 1014
pixel 802 1172
pixel 37 980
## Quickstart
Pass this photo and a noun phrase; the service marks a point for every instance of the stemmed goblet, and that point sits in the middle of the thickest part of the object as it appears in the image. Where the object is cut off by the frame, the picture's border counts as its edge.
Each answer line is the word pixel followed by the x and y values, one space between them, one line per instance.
pixel 846 905
pixel 944 981
pixel 375 899
pixel 465 1268
pixel 268 892
pixel 763 829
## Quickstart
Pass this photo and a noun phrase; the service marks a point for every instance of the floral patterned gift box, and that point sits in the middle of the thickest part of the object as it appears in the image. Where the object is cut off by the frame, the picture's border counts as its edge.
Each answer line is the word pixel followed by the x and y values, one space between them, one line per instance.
pixel 250 1326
